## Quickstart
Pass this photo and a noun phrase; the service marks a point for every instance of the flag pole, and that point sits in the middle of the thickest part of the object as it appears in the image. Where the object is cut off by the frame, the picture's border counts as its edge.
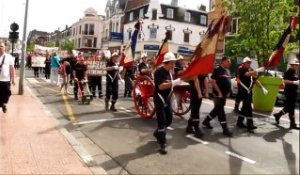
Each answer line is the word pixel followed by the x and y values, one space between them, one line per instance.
pixel 22 70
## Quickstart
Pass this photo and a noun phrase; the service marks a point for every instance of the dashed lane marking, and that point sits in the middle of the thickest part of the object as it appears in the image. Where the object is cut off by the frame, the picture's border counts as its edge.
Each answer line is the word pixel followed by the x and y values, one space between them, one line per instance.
pixel 105 120
pixel 190 136
pixel 240 157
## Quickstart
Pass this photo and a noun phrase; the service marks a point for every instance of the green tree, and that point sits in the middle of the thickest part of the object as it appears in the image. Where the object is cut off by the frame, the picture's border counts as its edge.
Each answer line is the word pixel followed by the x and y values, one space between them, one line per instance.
pixel 50 44
pixel 30 47
pixel 260 26
pixel 68 45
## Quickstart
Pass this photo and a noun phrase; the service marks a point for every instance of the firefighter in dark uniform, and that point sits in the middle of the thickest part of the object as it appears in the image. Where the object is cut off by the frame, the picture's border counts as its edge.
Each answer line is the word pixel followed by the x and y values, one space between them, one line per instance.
pixel 143 67
pixel 245 85
pixel 164 84
pixel 198 89
pixel 179 65
pixel 291 81
pixel 79 74
pixel 128 78
pixel 221 84
pixel 112 82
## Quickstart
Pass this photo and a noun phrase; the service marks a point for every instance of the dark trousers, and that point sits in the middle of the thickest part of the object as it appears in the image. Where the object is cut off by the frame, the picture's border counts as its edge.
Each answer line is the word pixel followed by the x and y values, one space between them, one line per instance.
pixel 164 119
pixel 76 86
pixel 95 81
pixel 112 88
pixel 36 71
pixel 195 104
pixel 5 92
pixel 128 86
pixel 290 103
pixel 246 110
pixel 219 111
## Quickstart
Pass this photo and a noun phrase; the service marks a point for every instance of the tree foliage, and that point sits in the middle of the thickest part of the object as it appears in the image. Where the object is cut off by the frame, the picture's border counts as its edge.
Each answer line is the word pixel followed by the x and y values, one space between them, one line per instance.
pixel 68 45
pixel 50 44
pixel 30 47
pixel 260 26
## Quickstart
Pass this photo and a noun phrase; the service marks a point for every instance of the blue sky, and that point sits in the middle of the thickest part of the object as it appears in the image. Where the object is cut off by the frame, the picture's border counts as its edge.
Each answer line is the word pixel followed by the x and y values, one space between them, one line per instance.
pixel 49 15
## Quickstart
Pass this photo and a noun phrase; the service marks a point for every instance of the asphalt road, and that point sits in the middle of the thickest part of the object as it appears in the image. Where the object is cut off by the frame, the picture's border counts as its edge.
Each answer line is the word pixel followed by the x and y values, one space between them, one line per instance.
pixel 128 147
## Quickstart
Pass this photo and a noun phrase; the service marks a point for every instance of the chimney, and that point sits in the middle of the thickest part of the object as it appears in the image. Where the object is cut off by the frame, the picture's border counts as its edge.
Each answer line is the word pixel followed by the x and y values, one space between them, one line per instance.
pixel 174 2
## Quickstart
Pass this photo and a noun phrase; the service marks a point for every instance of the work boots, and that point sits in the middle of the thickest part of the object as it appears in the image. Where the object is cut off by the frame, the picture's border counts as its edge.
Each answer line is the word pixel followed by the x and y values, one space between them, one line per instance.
pixel 112 107
pixel 250 125
pixel 240 122
pixel 226 131
pixel 106 105
pixel 193 128
pixel 278 115
pixel 293 123
pixel 206 123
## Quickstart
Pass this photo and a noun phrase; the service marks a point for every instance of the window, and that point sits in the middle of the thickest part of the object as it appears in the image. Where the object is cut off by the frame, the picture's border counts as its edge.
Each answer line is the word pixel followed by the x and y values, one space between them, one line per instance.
pixel 187 16
pixel 170 13
pixel 171 34
pixel 88 43
pixel 79 29
pixel 92 29
pixel 131 16
pixel 95 42
pixel 79 43
pixel 117 27
pixel 129 34
pixel 86 27
pixel 186 37
pixel 234 28
pixel 141 15
pixel 154 14
pixel 153 33
pixel 203 20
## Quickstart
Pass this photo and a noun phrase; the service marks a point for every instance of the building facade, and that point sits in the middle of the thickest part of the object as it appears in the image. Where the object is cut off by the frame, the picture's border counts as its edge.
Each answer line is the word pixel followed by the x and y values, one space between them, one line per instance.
pixel 87 32
pixel 186 26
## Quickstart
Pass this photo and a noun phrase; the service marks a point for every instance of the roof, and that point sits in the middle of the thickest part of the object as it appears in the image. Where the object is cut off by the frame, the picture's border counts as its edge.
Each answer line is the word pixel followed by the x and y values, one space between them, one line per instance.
pixel 133 4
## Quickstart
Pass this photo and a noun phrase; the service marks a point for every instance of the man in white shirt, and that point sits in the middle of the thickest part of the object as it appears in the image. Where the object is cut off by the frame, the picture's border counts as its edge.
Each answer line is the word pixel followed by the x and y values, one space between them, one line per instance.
pixel 7 76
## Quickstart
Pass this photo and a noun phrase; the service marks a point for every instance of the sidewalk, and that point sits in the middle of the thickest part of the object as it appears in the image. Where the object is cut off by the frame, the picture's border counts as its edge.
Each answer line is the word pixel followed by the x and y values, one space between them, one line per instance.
pixel 31 142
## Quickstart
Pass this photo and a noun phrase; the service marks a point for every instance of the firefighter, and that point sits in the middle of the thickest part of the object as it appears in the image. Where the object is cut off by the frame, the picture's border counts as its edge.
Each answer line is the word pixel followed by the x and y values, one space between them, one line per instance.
pixel 245 85
pixel 164 84
pixel 79 74
pixel 198 89
pixel 221 84
pixel 291 81
pixel 112 79
pixel 143 67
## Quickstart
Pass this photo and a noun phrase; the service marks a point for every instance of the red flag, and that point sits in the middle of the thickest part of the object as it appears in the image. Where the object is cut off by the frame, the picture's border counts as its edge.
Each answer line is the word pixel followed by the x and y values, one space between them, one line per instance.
pixel 164 48
pixel 204 55
pixel 127 57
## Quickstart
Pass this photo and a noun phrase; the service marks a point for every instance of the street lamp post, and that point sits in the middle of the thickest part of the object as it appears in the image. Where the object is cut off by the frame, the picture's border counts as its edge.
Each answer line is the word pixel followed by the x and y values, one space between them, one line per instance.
pixel 22 70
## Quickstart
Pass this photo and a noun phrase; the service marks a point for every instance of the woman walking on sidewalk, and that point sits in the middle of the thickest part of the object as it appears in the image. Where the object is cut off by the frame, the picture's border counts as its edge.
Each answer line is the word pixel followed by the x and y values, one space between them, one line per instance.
pixel 7 76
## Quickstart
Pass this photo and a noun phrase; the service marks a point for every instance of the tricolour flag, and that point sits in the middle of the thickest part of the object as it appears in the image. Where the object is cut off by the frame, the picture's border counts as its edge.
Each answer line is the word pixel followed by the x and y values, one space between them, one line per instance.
pixel 202 61
pixel 164 48
pixel 274 59
pixel 127 58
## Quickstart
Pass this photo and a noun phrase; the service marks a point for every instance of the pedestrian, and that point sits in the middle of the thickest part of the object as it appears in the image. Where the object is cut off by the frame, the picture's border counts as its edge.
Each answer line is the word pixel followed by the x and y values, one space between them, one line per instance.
pixel 54 69
pixel 29 61
pixel 65 75
pixel 237 98
pixel 198 88
pixel 7 76
pixel 72 60
pixel 291 82
pixel 163 87
pixel 221 84
pixel 112 82
pixel 143 67
pixel 245 85
pixel 80 75
pixel 47 66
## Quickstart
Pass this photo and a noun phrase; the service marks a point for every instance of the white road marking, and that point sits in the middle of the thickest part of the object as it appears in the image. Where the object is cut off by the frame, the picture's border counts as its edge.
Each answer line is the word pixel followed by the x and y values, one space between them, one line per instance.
pixel 190 136
pixel 105 120
pixel 126 110
pixel 240 157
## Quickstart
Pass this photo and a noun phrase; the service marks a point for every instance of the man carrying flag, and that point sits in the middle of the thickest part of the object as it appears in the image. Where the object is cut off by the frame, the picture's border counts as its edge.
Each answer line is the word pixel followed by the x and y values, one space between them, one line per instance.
pixel 164 48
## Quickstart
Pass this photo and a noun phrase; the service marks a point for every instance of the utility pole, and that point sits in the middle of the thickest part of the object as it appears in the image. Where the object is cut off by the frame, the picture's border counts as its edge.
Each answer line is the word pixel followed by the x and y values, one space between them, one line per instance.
pixel 22 70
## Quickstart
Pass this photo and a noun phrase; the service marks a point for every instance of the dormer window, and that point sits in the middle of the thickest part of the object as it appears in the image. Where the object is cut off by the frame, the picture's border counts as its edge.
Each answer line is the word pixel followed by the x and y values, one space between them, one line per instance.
pixel 141 15
pixel 203 19
pixel 187 16
pixel 131 16
pixel 170 13
pixel 154 14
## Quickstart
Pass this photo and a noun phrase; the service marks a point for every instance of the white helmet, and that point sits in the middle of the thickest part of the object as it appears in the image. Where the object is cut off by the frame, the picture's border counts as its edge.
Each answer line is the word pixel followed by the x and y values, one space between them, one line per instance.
pixel 114 54
pixel 169 56
pixel 247 59
pixel 144 55
pixel 295 61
